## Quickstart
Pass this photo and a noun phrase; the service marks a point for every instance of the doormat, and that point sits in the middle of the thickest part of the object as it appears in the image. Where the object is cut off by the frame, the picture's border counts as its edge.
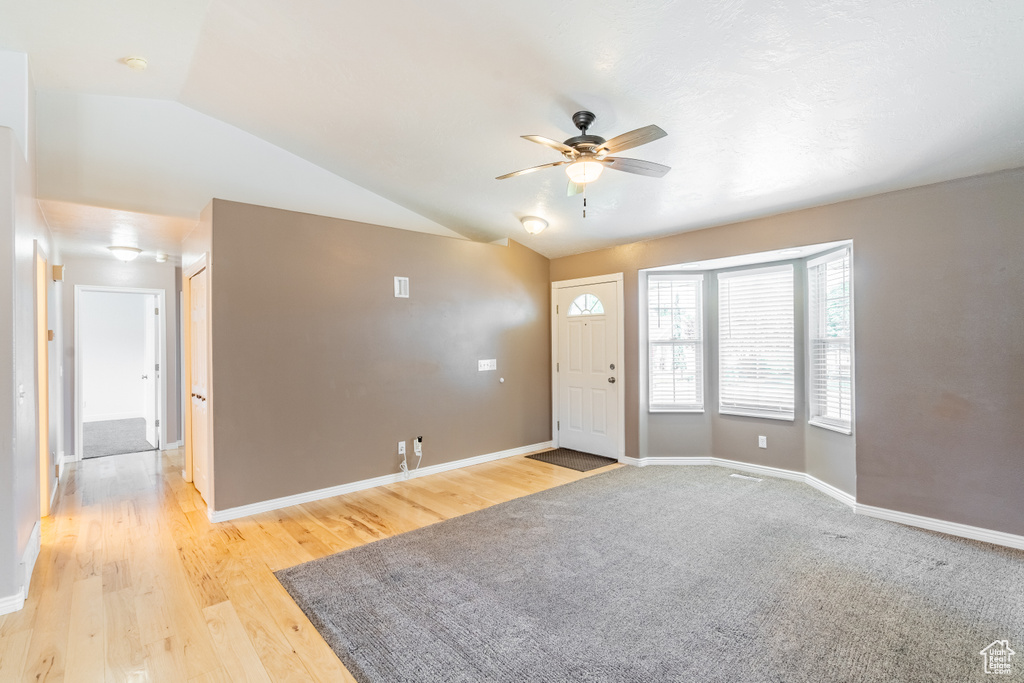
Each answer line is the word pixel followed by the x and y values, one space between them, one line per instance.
pixel 574 460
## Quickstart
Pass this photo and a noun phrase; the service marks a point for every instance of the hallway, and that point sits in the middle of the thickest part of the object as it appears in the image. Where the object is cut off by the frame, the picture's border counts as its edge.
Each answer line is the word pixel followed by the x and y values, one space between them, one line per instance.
pixel 134 584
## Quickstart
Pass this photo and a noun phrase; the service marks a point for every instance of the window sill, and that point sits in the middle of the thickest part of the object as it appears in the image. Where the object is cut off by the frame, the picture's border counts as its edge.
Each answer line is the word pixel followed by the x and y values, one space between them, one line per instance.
pixel 696 411
pixel 832 428
pixel 764 416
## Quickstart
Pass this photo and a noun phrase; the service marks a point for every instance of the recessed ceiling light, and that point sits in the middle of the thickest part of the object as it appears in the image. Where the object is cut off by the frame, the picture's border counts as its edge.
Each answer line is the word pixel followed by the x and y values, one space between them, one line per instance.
pixel 790 252
pixel 533 224
pixel 136 63
pixel 125 253
pixel 690 266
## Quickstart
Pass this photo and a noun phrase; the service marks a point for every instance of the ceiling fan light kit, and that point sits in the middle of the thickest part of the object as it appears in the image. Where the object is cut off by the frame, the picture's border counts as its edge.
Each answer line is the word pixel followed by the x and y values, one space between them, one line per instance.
pixel 587 155
pixel 584 171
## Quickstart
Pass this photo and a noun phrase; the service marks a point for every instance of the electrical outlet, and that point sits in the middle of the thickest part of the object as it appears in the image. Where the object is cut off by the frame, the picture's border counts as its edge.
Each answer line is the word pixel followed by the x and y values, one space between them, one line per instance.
pixel 401 448
pixel 489 364
pixel 762 442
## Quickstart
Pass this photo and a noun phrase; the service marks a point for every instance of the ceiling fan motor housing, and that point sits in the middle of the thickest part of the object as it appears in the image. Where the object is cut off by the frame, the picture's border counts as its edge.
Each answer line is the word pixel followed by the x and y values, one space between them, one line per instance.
pixel 584 144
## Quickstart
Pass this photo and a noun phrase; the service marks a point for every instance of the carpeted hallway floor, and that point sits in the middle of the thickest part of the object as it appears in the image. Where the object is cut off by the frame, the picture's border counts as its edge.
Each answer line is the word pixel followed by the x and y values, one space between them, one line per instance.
pixel 667 574
pixel 114 437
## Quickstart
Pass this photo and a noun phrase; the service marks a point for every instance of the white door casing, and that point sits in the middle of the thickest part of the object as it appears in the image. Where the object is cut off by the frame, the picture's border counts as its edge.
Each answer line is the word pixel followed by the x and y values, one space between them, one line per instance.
pixel 587 351
pixel 199 382
pixel 160 347
pixel 150 371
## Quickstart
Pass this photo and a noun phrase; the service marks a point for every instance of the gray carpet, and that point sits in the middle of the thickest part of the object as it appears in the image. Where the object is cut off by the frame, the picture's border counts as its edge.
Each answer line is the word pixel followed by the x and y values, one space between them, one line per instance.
pixel 114 437
pixel 667 574
pixel 574 460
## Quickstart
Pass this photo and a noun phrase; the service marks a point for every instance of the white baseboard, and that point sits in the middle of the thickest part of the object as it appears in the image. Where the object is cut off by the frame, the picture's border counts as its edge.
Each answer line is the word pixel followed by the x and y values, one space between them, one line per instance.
pixel 330 492
pixel 12 603
pixel 172 445
pixel 951 528
pixel 61 459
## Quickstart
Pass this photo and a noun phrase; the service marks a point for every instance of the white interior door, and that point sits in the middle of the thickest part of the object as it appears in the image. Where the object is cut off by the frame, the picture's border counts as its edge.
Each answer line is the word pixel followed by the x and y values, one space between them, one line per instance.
pixel 199 372
pixel 151 369
pixel 588 378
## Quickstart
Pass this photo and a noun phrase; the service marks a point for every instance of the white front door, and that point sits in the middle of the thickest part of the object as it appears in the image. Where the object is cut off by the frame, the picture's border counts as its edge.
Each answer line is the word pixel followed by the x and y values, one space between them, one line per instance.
pixel 199 367
pixel 587 375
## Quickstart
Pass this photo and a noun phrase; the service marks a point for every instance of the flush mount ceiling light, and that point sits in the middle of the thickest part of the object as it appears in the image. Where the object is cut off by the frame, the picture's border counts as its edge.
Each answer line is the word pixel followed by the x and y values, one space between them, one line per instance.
pixel 533 224
pixel 136 63
pixel 125 253
pixel 161 258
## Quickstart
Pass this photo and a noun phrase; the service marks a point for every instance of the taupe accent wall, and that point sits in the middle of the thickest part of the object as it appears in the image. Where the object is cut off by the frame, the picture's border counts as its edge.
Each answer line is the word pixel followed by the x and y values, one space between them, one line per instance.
pixel 939 340
pixel 319 370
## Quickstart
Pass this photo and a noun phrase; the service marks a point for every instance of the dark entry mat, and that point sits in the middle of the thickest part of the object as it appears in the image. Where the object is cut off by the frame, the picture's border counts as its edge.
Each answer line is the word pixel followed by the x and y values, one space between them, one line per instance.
pixel 574 460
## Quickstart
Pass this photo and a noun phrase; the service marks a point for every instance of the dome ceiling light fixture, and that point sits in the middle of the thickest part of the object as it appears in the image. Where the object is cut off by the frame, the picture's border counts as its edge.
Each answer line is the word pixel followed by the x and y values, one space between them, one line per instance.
pixel 125 254
pixel 136 63
pixel 587 155
pixel 533 224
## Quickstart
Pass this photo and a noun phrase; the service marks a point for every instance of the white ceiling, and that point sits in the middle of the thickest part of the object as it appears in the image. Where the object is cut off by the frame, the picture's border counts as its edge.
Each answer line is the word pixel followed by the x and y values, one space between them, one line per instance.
pixel 768 106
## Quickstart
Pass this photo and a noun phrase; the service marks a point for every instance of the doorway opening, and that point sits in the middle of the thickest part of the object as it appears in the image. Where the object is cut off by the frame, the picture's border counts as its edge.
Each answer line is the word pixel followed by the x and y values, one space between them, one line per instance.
pixel 119 362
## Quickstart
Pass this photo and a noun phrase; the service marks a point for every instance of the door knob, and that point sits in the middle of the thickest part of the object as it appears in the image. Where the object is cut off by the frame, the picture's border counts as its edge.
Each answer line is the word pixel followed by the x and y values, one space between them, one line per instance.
pixel 611 380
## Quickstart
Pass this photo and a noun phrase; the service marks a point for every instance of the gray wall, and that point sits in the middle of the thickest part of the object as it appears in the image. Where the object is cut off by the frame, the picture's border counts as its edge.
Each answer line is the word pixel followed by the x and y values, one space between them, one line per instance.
pixel 939 338
pixel 21 228
pixel 106 271
pixel 318 370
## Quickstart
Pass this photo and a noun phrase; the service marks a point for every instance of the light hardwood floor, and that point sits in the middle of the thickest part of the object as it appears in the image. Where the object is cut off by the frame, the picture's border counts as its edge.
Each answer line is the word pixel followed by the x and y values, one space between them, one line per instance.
pixel 134 584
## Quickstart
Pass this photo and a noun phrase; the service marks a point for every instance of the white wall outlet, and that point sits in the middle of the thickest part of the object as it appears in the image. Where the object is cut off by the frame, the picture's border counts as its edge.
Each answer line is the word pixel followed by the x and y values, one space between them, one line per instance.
pixel 401 448
pixel 491 364
pixel 762 442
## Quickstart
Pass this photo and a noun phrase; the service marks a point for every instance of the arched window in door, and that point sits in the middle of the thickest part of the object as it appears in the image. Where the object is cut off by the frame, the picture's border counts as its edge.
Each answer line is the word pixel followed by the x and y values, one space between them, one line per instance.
pixel 586 304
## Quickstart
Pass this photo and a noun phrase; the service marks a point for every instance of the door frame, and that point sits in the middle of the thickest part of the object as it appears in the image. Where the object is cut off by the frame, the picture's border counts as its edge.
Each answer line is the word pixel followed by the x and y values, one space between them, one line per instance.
pixel 161 353
pixel 203 261
pixel 41 315
pixel 617 280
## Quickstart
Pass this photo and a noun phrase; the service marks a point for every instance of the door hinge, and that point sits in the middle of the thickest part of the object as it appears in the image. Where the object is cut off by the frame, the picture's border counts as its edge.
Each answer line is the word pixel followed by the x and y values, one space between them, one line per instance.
pixel 158 423
pixel 559 427
pixel 556 309
pixel 558 367
pixel 156 311
pixel 158 366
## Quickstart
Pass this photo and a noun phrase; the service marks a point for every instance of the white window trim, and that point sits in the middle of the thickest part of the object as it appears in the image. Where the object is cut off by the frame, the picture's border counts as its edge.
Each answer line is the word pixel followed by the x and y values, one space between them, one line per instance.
pixel 699 343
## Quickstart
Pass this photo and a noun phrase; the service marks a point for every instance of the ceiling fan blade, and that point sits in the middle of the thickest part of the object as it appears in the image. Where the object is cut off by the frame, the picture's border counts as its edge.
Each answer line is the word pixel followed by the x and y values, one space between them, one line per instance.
pixel 648 168
pixel 634 138
pixel 574 189
pixel 531 169
pixel 548 142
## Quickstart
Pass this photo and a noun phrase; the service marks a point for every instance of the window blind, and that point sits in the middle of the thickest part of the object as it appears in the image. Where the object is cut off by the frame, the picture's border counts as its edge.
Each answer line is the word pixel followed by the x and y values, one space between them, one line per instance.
pixel 755 356
pixel 675 342
pixel 831 368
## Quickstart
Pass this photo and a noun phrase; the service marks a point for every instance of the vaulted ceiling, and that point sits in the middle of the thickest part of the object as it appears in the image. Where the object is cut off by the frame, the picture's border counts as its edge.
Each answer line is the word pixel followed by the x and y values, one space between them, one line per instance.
pixel 403 112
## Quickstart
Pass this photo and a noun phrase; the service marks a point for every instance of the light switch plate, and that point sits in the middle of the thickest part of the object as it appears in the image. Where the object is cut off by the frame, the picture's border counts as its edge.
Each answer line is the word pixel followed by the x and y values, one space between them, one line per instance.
pixel 491 364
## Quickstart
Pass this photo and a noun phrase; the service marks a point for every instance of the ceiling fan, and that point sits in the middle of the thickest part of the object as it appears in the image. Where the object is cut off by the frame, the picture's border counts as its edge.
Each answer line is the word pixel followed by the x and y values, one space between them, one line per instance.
pixel 587 155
